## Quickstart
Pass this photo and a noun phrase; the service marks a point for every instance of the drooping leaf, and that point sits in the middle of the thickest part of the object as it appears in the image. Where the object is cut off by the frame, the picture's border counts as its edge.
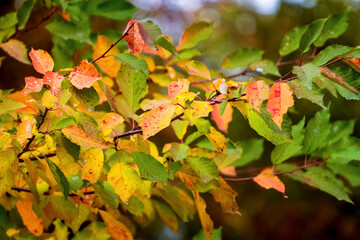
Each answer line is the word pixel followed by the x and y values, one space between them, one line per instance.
pixel 84 76
pixel 242 57
pixel 156 119
pixel 133 61
pixel 194 34
pixel 206 222
pixel 222 120
pixel 256 93
pixel 41 60
pixel 329 53
pixel 132 84
pixel 149 167
pixel 59 177
pixel 24 12
pixel 204 167
pixel 16 49
pixel 291 40
pixel 280 99
pixel 54 80
pixel 108 64
pixel 163 42
pixel 93 164
pixel 116 229
pixel 311 34
pixel 106 195
pixel 167 215
pixel 267 180
pixel 32 222
pixel 194 67
pixel 175 88
pixel 348 171
pixel 133 37
pixel 217 139
pixel 124 180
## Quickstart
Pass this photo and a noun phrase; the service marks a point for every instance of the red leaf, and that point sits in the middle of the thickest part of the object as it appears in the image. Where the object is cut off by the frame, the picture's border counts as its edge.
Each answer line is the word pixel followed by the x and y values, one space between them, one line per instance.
pixel 53 79
pixel 84 75
pixel 33 84
pixel 134 37
pixel 267 180
pixel 280 99
pixel 41 60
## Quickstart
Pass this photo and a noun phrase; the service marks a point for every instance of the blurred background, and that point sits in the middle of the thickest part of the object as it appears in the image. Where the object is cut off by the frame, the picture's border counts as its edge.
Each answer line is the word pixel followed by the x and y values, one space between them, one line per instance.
pixel 307 213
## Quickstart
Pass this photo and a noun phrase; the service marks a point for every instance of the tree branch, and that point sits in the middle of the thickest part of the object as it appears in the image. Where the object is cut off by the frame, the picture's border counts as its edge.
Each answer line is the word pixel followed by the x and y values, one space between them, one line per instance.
pixel 20 189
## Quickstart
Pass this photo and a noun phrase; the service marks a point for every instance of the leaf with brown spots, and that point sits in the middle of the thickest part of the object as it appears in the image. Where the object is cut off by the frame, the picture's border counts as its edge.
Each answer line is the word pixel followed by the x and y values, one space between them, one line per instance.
pixel 32 222
pixel 217 140
pixel 84 75
pixel 41 60
pixel 267 180
pixel 93 164
pixel 110 120
pixel 256 93
pixel 133 37
pixel 225 195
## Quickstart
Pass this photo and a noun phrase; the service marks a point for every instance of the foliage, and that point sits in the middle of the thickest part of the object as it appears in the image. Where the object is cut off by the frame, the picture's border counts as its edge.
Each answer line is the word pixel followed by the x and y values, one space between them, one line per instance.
pixel 79 144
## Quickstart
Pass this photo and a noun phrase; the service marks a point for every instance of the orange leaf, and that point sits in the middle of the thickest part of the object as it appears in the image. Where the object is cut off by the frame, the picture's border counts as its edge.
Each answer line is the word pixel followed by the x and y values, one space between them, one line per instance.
pixel 225 195
pixel 267 180
pixel 41 60
pixel 280 99
pixel 25 99
pixel 33 84
pixel 133 38
pixel 116 229
pixel 108 65
pixel 256 93
pixel 84 75
pixel 25 130
pixel 54 80
pixel 175 88
pixel 194 67
pixel 32 222
pixel 222 122
pixel 110 120
pixel 156 119
pixel 206 222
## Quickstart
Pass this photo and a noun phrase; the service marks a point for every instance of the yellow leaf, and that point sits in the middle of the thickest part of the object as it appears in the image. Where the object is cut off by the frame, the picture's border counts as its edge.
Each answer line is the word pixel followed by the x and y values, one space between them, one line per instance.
pixel 156 119
pixel 280 99
pixel 6 160
pixel 148 104
pixel 194 67
pixel 77 136
pixel 225 195
pixel 124 180
pixel 48 99
pixel 175 88
pixel 267 180
pixel 32 222
pixel 16 49
pixel 242 107
pixel 167 215
pixel 217 140
pixel 25 130
pixel 256 93
pixel 108 65
pixel 6 182
pixel 205 219
pixel 116 229
pixel 110 120
pixel 93 164
pixel 202 109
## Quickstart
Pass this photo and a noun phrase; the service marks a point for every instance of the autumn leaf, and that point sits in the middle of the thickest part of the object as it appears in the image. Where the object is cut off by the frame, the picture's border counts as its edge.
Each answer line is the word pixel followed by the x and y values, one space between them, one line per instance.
pixel 41 60
pixel 124 180
pixel 194 67
pixel 280 99
pixel 168 215
pixel 133 37
pixel 110 120
pixel 222 121
pixel 108 64
pixel 202 109
pixel 48 99
pixel 267 180
pixel 217 140
pixel 225 195
pixel 206 222
pixel 32 222
pixel 175 88
pixel 16 49
pixel 54 80
pixel 25 130
pixel 93 164
pixel 156 119
pixel 76 135
pixel 84 75
pixel 148 104
pixel 33 84
pixel 256 93
pixel 116 229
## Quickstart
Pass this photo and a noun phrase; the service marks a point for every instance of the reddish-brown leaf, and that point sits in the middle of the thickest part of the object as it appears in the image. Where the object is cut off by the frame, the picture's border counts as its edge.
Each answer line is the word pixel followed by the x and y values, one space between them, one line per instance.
pixel 225 195
pixel 267 180
pixel 222 121
pixel 133 37
pixel 54 80
pixel 32 222
pixel 280 99
pixel 33 84
pixel 84 75
pixel 41 60
pixel 256 93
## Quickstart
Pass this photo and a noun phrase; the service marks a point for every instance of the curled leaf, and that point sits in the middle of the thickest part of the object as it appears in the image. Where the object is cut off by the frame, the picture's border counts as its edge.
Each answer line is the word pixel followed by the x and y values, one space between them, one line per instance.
pixel 134 38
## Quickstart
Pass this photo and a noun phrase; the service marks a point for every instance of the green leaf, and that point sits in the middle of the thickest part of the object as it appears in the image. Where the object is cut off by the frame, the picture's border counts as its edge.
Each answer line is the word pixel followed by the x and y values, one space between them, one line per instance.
pixel 75 182
pixel 329 53
pixel 265 66
pixel 107 196
pixel 8 20
pixel 242 57
pixel 291 40
pixel 173 168
pixel 306 73
pixel 334 26
pixel 88 124
pixel 133 61
pixel 6 160
pixel 152 30
pixel 67 145
pixel 88 97
pixel 340 130
pixel 167 45
pixel 258 123
pixel 135 206
pixel 313 94
pixel 252 150
pixel 184 55
pixel 62 122
pixel 195 135
pixel 63 50
pixel 311 34
pixel 223 106
pixel 326 181
pixel 317 130
pixel 346 155
pixel 179 151
pixel 349 171
pixel 149 167
pixel 6 33
pixel 325 83
pixel 69 30
pixel 216 235
pixel 24 12
pixel 349 76
pixel 203 125
pixel 8 105
pixel 59 177
pixel 63 208
pixel 284 151
pixel 204 167
pixel 114 9
pixel 194 34
pixel 132 84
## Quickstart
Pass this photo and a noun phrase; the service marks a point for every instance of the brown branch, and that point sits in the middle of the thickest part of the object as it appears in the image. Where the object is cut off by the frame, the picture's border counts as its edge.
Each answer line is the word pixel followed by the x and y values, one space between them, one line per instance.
pixel 39 157
pixel 20 189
